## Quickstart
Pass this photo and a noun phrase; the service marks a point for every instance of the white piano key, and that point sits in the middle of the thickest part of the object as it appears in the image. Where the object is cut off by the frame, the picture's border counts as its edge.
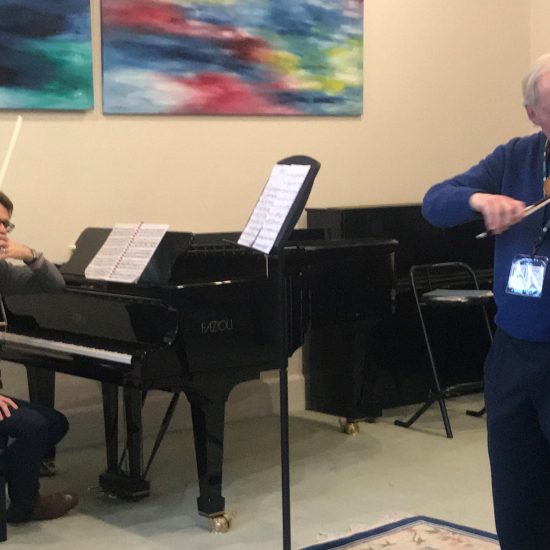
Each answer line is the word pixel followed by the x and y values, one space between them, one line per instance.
pixel 64 347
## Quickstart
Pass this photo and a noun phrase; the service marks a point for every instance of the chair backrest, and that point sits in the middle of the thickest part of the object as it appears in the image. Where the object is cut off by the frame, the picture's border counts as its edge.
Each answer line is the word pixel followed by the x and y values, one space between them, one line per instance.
pixel 447 275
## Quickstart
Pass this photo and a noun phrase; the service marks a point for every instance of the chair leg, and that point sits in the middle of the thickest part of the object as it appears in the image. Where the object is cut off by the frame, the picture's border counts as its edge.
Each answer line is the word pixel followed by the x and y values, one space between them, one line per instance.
pixel 432 398
pixel 482 411
pixel 445 415
pixel 439 393
pixel 3 523
pixel 479 413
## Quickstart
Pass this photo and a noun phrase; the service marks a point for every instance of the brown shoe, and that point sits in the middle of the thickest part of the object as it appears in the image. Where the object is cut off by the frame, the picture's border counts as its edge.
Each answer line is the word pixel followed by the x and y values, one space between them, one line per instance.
pixel 53 506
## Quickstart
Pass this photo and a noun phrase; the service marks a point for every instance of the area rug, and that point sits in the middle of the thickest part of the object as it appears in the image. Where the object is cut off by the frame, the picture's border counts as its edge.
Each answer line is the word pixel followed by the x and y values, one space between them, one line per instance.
pixel 418 533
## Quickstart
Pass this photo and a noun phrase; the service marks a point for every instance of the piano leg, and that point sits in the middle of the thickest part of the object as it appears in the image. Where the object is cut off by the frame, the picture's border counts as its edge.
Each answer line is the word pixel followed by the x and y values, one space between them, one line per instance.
pixel 129 485
pixel 41 386
pixel 133 402
pixel 208 428
pixel 110 418
pixel 41 383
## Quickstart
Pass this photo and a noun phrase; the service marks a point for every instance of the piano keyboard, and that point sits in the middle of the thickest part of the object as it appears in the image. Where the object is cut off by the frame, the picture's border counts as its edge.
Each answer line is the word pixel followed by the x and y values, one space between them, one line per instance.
pixel 44 345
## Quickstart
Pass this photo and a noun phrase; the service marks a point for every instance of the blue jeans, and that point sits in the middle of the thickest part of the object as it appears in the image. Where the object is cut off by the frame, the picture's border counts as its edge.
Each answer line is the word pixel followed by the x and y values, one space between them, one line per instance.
pixel 31 431
pixel 517 396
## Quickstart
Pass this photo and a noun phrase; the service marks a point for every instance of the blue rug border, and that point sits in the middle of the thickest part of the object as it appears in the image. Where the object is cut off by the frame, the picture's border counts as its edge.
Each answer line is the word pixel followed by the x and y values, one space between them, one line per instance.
pixel 334 544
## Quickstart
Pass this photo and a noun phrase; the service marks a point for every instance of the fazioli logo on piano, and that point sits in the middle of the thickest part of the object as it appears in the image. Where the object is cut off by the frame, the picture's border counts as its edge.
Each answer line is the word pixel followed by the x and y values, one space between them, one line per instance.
pixel 212 327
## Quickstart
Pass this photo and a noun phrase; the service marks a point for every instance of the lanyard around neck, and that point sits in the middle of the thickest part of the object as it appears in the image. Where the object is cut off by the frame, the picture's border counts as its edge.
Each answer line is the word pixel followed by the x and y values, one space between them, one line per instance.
pixel 545 159
pixel 546 225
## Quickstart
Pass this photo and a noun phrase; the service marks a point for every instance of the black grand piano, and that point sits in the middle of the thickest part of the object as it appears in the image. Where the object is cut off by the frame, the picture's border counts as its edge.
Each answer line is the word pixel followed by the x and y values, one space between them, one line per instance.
pixel 199 321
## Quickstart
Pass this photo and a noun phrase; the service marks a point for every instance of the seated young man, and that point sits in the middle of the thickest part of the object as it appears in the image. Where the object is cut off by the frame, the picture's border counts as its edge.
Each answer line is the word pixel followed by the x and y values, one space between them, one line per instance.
pixel 30 430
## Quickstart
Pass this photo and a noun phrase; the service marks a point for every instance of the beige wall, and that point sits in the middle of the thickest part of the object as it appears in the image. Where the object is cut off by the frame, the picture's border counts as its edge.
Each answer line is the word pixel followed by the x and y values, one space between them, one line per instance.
pixel 442 89
pixel 540 37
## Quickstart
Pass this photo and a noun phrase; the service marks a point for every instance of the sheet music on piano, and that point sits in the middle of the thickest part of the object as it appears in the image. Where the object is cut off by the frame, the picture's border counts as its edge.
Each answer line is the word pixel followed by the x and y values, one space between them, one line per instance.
pixel 126 252
pixel 273 206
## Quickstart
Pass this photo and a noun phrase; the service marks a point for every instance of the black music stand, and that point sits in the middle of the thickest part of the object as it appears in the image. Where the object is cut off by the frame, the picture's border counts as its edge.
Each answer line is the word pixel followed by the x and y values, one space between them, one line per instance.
pixel 267 230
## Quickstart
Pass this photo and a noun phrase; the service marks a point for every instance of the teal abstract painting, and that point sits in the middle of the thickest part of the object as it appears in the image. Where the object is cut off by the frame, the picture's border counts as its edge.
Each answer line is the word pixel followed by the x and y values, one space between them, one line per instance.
pixel 45 55
pixel 258 57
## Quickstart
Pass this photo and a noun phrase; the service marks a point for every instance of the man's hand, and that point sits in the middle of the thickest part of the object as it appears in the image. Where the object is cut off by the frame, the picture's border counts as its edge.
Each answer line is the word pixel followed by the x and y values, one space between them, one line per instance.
pixel 5 404
pixel 499 211
pixel 11 249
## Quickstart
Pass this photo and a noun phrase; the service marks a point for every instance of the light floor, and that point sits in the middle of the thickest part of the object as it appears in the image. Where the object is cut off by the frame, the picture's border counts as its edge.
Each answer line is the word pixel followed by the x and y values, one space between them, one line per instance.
pixel 337 482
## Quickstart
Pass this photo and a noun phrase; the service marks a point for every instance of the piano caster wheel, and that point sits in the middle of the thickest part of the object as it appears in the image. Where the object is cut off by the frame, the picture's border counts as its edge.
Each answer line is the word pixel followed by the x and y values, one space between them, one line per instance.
pixel 219 524
pixel 348 427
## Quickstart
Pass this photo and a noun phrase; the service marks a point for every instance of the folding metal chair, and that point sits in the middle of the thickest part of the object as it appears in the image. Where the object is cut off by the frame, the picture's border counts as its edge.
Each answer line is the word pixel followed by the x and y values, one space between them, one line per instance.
pixel 442 285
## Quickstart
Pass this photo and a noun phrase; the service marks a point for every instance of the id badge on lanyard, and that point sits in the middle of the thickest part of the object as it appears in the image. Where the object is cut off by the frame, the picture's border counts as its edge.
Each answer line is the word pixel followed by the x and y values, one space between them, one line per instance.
pixel 527 275
pixel 528 271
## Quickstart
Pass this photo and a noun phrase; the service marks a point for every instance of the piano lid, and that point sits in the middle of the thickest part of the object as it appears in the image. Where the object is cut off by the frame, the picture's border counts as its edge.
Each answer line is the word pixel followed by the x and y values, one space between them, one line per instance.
pixel 158 270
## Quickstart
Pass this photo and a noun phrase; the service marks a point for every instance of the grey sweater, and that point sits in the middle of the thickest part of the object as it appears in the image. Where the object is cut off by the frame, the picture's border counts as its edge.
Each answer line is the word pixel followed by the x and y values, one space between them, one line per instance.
pixel 37 276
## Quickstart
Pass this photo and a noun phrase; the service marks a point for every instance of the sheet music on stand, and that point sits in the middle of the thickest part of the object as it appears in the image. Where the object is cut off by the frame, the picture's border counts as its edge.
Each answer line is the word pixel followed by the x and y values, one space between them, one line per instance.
pixel 125 254
pixel 276 209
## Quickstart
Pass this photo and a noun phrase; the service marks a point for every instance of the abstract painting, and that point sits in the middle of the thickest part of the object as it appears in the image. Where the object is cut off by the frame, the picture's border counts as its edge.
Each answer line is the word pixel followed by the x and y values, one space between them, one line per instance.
pixel 45 55
pixel 258 57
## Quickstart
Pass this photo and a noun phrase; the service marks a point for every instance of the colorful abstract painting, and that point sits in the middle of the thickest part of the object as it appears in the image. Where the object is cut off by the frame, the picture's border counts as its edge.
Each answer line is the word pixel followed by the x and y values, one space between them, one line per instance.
pixel 274 57
pixel 45 55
